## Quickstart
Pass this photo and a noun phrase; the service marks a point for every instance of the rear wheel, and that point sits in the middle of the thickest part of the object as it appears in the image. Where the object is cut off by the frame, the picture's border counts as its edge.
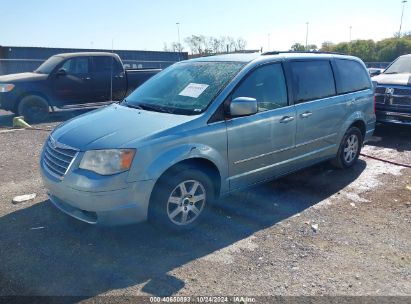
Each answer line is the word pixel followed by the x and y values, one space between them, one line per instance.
pixel 181 201
pixel 33 108
pixel 350 149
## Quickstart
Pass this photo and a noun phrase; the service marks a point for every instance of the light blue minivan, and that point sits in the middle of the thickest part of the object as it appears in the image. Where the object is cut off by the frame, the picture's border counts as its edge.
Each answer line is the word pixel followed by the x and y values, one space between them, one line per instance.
pixel 203 128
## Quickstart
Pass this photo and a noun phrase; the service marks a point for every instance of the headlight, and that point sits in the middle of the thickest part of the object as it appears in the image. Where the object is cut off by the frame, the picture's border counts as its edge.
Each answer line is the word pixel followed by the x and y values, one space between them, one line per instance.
pixel 6 87
pixel 108 162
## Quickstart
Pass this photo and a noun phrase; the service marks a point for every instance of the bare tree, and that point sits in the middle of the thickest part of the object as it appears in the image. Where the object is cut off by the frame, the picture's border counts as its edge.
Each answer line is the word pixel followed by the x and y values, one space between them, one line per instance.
pixel 195 43
pixel 200 44
pixel 230 44
pixel 165 47
pixel 241 44
pixel 177 47
pixel 215 45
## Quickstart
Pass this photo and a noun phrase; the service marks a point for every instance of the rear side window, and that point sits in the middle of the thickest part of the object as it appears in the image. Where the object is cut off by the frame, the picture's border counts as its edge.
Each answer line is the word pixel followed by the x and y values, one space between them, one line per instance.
pixel 105 64
pixel 312 80
pixel 353 76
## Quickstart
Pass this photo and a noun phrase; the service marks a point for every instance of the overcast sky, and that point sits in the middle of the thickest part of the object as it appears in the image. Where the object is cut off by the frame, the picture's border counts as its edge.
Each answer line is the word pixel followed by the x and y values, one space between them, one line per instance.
pixel 146 25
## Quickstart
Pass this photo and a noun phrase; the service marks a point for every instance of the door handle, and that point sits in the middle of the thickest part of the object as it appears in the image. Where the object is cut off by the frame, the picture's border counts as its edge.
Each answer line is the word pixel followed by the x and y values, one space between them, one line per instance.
pixel 86 78
pixel 286 119
pixel 306 114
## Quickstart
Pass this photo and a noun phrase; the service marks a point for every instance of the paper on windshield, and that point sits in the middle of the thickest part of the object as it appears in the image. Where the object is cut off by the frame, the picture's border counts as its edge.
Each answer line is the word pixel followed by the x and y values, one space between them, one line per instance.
pixel 194 90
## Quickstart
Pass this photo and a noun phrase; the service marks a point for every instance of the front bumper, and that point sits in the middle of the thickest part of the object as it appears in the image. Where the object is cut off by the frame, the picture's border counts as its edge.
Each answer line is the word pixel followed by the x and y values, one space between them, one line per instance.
pixel 113 207
pixel 8 100
pixel 394 117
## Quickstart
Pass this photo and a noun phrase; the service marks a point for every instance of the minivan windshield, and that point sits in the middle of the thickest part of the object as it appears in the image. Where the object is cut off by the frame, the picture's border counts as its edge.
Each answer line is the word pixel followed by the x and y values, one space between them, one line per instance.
pixel 401 65
pixel 48 66
pixel 185 88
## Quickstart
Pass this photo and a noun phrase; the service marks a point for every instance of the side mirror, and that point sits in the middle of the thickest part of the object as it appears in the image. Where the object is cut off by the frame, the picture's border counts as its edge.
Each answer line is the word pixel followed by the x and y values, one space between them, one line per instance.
pixel 375 73
pixel 243 106
pixel 61 72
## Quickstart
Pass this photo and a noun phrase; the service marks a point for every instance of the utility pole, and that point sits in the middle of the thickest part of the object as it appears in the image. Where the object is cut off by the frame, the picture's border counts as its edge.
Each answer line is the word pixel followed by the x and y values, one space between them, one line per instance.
pixel 269 42
pixel 306 37
pixel 179 42
pixel 350 33
pixel 402 15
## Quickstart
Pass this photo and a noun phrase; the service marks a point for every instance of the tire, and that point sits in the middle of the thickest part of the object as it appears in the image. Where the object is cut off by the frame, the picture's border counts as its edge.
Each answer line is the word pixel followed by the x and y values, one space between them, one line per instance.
pixel 34 108
pixel 173 209
pixel 349 150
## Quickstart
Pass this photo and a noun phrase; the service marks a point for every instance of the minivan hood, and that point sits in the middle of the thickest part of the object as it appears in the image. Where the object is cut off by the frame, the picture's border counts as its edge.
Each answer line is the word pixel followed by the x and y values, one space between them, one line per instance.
pixel 395 79
pixel 114 126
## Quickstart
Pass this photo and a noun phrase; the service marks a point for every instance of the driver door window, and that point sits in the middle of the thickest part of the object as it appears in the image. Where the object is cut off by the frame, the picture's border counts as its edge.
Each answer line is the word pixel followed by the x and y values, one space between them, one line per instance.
pixel 267 85
pixel 76 66
pixel 75 86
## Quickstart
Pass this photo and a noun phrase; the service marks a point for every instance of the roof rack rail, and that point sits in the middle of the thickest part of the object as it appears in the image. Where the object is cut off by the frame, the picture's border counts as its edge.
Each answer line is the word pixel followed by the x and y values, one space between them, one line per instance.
pixel 299 52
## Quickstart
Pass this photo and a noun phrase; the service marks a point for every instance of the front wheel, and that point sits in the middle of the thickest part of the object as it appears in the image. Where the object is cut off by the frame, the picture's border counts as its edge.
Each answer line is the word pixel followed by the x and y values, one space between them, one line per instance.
pixel 33 108
pixel 179 202
pixel 350 149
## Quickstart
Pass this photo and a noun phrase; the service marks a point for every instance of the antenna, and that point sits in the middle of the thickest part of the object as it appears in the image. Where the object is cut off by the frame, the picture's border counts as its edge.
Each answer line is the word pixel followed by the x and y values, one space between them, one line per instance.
pixel 111 70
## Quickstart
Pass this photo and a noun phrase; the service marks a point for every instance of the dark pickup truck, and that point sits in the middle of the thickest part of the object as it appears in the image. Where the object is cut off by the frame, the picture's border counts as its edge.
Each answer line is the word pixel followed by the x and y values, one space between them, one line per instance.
pixel 67 81
pixel 393 92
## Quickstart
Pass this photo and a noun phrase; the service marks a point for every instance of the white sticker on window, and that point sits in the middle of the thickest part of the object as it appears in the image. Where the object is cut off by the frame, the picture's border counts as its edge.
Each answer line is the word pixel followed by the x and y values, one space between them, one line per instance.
pixel 194 90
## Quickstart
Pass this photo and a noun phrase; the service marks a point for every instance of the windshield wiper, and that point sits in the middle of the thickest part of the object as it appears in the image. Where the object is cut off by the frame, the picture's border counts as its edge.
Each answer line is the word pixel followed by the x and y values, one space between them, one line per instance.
pixel 391 73
pixel 146 106
pixel 129 105
pixel 156 108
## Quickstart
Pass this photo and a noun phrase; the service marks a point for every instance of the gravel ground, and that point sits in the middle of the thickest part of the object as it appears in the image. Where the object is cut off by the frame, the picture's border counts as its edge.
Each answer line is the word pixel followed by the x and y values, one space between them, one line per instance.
pixel 320 231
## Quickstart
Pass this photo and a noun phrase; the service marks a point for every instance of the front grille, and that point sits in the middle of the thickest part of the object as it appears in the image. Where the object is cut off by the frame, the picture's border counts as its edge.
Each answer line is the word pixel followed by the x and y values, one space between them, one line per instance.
pixel 57 158
pixel 393 95
pixel 380 90
pixel 398 91
pixel 399 100
pixel 379 98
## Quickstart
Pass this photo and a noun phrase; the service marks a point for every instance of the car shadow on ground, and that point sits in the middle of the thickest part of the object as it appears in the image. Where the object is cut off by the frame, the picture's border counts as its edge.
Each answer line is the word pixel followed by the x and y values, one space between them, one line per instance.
pixel 45 252
pixel 6 118
pixel 392 136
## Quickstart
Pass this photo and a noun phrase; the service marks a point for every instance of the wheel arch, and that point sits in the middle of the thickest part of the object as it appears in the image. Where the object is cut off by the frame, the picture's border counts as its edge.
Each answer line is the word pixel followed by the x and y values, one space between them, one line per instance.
pixel 30 93
pixel 203 164
pixel 360 124
pixel 356 119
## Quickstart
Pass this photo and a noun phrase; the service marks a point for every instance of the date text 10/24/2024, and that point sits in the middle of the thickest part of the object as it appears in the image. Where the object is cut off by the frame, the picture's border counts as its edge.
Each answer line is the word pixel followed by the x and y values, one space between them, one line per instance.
pixel 202 299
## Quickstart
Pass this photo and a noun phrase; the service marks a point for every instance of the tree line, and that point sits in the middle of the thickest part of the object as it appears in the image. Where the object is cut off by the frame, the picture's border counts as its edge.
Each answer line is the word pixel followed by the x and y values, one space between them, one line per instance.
pixel 385 50
pixel 204 45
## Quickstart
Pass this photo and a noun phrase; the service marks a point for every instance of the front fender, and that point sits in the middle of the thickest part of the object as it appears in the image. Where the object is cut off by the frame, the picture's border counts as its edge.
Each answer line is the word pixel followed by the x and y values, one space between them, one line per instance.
pixel 185 152
pixel 175 155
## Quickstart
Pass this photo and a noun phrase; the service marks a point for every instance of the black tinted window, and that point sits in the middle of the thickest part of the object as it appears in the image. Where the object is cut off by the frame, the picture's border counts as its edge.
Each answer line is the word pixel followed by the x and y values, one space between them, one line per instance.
pixel 76 66
pixel 105 64
pixel 267 85
pixel 312 80
pixel 353 77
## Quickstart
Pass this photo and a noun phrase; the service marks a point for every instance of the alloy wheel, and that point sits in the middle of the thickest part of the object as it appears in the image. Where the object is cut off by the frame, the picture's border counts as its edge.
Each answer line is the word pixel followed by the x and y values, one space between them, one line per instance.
pixel 186 202
pixel 351 148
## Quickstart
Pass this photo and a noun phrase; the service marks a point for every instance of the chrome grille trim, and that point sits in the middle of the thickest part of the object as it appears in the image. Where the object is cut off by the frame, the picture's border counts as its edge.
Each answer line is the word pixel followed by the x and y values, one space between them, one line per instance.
pixel 58 158
pixel 396 96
